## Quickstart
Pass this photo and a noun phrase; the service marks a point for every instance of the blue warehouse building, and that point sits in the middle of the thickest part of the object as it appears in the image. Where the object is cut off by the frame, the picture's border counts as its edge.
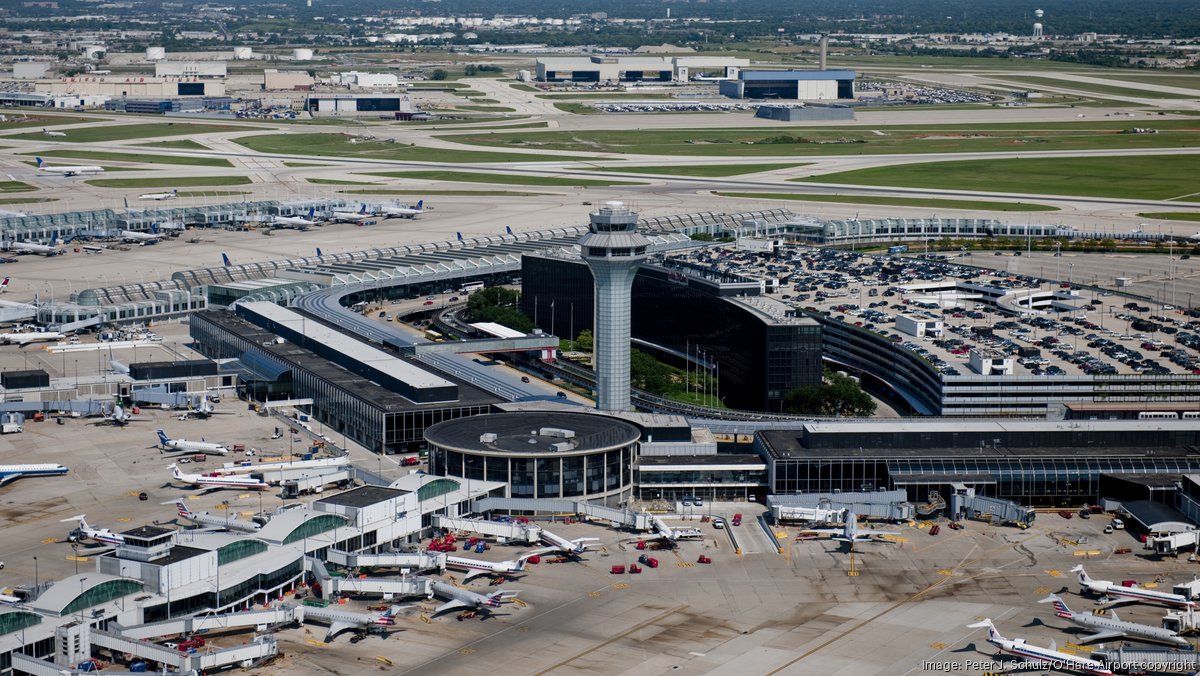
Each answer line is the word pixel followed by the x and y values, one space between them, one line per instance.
pixel 801 85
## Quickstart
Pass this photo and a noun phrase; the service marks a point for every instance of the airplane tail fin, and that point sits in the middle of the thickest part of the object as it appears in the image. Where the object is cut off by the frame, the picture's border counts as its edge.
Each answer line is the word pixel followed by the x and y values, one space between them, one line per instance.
pixel 420 205
pixel 183 509
pixel 4 284
pixel 40 162
pixel 460 237
pixel 1084 579
pixel 311 212
pixel 162 437
pixel 986 622
pixel 126 202
pixel 495 598
pixel 1060 606
pixel 319 254
pixel 225 260
pixel 508 229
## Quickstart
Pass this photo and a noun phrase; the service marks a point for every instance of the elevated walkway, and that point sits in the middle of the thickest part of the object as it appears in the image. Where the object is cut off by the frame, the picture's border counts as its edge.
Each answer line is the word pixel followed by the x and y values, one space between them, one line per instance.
pixel 245 654
pixel 525 344
pixel 878 505
pixel 388 587
pixel 1153 660
pixel 417 561
pixel 994 510
pixel 511 532
pixel 620 518
pixel 192 625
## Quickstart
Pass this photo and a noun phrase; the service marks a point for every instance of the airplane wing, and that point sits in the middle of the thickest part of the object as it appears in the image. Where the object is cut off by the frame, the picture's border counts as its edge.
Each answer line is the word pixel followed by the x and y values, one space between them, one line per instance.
pixel 1103 636
pixel 542 550
pixel 1117 602
pixel 878 533
pixel 337 626
pixel 474 574
pixel 451 605
pixel 829 531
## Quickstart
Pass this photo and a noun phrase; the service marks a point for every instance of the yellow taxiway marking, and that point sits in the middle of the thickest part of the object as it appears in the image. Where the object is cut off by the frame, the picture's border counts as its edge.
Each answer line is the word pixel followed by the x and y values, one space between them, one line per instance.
pixel 518 602
pixel 124 519
pixel 1042 590
pixel 315 643
pixel 937 646
pixel 383 659
pixel 72 557
pixel 594 595
pixel 621 585
pixel 133 494
pixel 945 572
pixel 466 651
pixel 49 540
pixel 1054 573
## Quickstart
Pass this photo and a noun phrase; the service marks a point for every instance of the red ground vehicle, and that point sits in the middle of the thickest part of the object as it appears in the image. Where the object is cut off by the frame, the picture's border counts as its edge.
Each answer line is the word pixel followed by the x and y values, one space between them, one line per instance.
pixel 640 544
pixel 617 570
pixel 935 529
pixel 1066 513
pixel 535 559
pixel 703 559
pixel 737 519
pixel 634 569
pixel 192 643
pixel 648 561
pixel 410 461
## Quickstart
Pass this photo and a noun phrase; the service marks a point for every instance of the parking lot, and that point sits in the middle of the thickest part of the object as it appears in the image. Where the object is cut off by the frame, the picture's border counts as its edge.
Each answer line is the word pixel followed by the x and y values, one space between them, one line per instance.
pixel 1088 331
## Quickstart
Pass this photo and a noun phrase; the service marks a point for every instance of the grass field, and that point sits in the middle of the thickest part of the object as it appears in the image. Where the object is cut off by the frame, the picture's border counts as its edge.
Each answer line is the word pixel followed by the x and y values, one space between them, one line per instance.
pixel 182 144
pixel 26 200
pixel 168 182
pixel 709 170
pixel 124 132
pixel 1095 88
pixel 932 203
pixel 132 157
pixel 1156 178
pixel 336 145
pixel 334 181
pixel 20 120
pixel 486 109
pixel 576 108
pixel 461 193
pixel 523 87
pixel 882 139
pixel 504 179
pixel 1172 215
pixel 1158 78
pixel 15 186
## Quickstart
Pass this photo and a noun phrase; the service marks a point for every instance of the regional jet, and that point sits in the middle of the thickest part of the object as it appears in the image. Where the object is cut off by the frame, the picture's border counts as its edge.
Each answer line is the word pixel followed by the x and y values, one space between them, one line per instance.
pixel 75 170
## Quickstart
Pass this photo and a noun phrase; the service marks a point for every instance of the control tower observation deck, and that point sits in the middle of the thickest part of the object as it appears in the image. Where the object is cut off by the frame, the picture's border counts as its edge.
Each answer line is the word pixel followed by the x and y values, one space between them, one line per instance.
pixel 613 250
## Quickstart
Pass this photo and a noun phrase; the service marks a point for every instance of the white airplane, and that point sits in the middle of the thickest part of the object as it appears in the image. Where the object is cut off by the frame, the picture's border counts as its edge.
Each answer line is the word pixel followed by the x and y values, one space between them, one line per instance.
pixel 8 213
pixel 851 533
pixel 404 212
pixel 294 221
pixel 86 532
pixel 1110 626
pixel 118 417
pixel 562 545
pixel 159 196
pixel 30 337
pixel 475 567
pixel 4 285
pixel 10 473
pixel 190 446
pixel 469 600
pixel 206 519
pixel 21 248
pixel 47 132
pixel 218 481
pixel 1128 594
pixel 134 237
pixel 812 514
pixel 351 216
pixel 75 170
pixel 1033 654
pixel 341 620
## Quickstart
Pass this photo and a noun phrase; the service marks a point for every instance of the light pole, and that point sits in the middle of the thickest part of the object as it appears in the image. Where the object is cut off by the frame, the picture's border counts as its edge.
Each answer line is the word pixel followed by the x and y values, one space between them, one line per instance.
pixel 81 581
pixel 35 575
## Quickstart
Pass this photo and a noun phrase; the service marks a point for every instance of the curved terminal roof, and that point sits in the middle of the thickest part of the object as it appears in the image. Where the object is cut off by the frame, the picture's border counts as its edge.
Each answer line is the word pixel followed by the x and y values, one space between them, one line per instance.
pixel 84 591
pixel 533 433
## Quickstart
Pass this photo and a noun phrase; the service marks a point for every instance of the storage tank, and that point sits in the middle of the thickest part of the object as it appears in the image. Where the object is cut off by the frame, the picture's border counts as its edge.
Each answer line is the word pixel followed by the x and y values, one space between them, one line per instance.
pixel 156 53
pixel 302 54
pixel 93 52
pixel 243 53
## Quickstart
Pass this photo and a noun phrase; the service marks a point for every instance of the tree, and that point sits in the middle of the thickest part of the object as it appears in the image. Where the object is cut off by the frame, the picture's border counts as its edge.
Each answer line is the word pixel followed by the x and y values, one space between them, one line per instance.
pixel 584 342
pixel 439 74
pixel 498 304
pixel 647 373
pixel 838 395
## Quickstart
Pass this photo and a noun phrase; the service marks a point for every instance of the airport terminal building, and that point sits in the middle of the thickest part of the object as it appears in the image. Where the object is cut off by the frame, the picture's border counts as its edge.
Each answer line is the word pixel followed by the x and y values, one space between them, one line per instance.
pixel 802 85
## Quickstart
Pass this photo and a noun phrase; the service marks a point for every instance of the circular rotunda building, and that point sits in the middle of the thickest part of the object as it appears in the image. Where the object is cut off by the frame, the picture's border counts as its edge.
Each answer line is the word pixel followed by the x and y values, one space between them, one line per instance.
pixel 543 454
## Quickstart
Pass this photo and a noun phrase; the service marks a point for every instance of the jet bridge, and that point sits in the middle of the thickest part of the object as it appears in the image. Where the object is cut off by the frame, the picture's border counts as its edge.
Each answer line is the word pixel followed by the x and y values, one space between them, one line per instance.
pixel 245 654
pixel 210 622
pixel 620 518
pixel 388 587
pixel 414 561
pixel 511 532
pixel 1151 659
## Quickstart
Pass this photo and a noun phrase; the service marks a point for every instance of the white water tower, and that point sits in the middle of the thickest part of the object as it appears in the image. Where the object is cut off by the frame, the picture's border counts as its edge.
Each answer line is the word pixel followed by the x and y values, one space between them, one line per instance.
pixel 156 53
pixel 1037 26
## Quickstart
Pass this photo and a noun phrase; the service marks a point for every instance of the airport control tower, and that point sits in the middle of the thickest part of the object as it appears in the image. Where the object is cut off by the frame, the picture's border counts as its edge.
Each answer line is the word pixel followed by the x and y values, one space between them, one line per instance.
pixel 614 251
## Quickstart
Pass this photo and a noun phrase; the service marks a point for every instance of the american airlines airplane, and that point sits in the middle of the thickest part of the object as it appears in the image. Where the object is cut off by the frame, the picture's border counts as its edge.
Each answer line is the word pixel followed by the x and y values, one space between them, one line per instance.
pixel 10 473
pixel 159 196
pixel 210 521
pixel 404 212
pixel 184 445
pixel 86 532
pixel 1109 626
pixel 75 170
pixel 469 600
pixel 1032 654
pixel 475 567
pixel 30 337
pixel 1128 594
pixel 218 481
pixel 572 548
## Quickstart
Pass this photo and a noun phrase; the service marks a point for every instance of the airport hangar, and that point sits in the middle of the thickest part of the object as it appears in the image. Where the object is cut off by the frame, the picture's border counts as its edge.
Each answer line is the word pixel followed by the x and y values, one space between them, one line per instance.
pixel 802 85
pixel 650 69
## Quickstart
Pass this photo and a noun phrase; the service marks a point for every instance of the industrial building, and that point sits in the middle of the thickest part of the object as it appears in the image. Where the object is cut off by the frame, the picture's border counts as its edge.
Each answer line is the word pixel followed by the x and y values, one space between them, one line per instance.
pixel 190 69
pixel 547 454
pixel 802 85
pixel 351 105
pixel 616 69
pixel 133 87
pixel 287 80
